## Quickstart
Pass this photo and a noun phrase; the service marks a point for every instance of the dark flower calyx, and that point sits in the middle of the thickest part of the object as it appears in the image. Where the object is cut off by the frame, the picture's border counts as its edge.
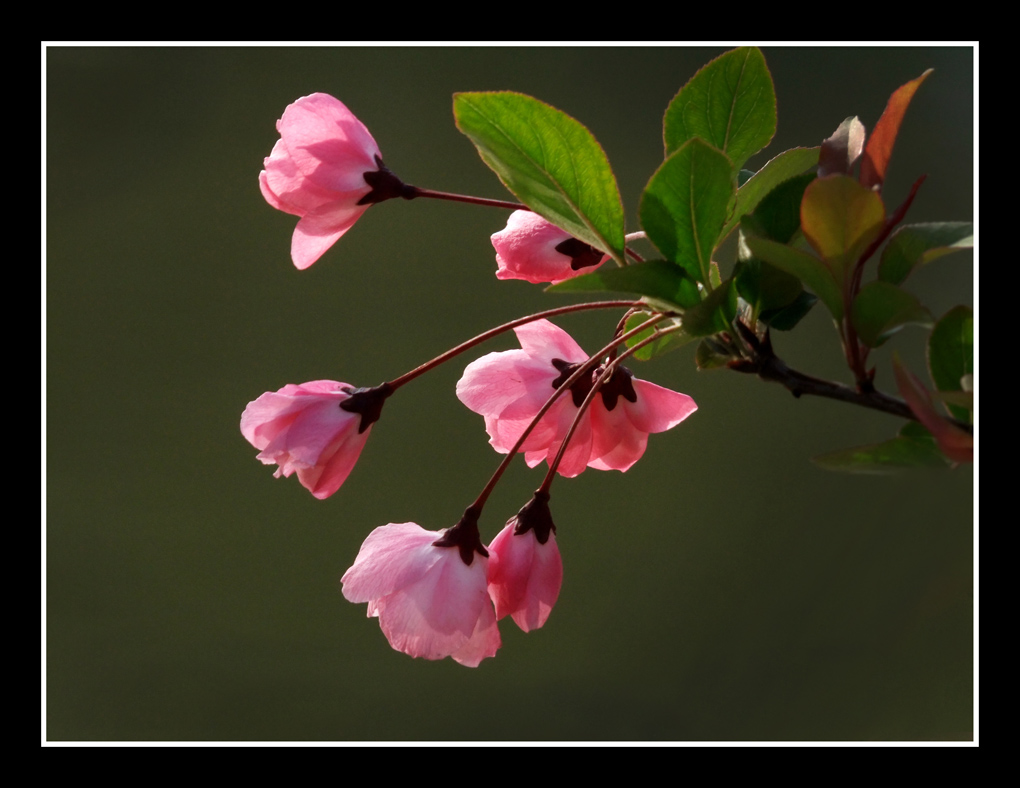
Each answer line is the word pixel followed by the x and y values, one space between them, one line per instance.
pixel 619 385
pixel 535 516
pixel 367 402
pixel 465 537
pixel 580 388
pixel 385 185
pixel 581 255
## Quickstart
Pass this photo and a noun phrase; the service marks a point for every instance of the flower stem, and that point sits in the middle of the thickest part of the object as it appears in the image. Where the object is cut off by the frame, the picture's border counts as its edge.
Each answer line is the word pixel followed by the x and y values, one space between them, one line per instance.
pixel 583 369
pixel 407 377
pixel 764 363
pixel 412 192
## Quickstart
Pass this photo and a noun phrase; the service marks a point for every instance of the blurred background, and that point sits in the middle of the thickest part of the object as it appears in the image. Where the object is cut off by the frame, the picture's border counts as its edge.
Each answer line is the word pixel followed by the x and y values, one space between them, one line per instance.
pixel 725 588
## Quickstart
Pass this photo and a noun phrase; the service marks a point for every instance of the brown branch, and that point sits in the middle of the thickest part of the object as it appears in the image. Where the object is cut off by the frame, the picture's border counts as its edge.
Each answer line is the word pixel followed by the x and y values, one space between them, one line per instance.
pixel 760 360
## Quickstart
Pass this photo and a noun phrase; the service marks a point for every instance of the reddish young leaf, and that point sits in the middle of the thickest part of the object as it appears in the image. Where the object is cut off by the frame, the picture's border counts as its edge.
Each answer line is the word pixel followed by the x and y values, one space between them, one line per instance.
pixel 879 148
pixel 954 442
pixel 840 151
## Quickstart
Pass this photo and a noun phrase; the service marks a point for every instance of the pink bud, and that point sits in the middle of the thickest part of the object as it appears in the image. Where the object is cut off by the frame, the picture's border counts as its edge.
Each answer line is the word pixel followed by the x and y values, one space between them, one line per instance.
pixel 315 429
pixel 525 569
pixel 316 171
pixel 430 603
pixel 535 250
pixel 509 389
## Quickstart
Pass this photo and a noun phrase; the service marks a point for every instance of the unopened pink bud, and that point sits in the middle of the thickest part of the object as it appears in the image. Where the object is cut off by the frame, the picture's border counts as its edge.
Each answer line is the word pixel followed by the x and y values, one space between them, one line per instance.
pixel 525 569
pixel 535 250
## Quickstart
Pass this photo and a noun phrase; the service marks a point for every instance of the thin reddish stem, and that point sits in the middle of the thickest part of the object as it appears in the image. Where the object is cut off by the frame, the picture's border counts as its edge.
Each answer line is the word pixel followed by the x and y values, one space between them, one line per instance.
pixel 417 191
pixel 407 377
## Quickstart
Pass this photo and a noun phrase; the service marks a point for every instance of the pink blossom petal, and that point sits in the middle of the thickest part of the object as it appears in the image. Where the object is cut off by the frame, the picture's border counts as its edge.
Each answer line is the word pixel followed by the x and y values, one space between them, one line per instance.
pixel 302 429
pixel 429 603
pixel 524 576
pixel 618 444
pixel 316 171
pixel 315 234
pixel 328 144
pixel 488 385
pixel 526 249
pixel 294 191
pixel 391 557
pixel 326 478
pixel 541 339
pixel 657 409
pixel 483 643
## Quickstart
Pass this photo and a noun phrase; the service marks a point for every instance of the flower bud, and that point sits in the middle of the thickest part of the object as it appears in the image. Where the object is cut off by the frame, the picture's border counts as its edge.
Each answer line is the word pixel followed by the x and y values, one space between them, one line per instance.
pixel 525 570
pixel 535 250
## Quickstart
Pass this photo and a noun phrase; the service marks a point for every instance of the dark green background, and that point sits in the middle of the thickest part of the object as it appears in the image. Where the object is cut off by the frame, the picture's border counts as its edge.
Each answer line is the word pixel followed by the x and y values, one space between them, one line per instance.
pixel 723 589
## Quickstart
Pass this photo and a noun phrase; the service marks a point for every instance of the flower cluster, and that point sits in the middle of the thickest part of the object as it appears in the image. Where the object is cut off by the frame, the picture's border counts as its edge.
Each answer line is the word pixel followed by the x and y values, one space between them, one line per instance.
pixel 433 591
pixel 509 388
pixel 440 593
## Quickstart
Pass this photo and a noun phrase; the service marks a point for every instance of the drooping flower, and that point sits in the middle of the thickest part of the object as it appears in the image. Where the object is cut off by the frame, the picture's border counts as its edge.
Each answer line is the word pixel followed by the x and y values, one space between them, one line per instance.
pixel 428 590
pixel 509 388
pixel 314 429
pixel 525 569
pixel 325 168
pixel 535 250
pixel 625 412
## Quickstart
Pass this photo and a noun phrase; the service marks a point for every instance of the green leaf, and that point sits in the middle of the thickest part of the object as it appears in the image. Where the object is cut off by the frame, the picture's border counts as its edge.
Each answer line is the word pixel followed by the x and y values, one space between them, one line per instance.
pixel 787 317
pixel 664 344
pixel 914 447
pixel 730 103
pixel 839 218
pixel 714 275
pixel 764 286
pixel 786 165
pixel 881 309
pixel 714 314
pixel 761 284
pixel 549 161
pixel 964 400
pixel 778 214
pixel 685 204
pixel 806 267
pixel 916 244
pixel 951 355
pixel 657 279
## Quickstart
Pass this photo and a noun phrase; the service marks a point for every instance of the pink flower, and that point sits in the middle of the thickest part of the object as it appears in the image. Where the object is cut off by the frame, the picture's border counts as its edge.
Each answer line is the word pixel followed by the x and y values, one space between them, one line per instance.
pixel 525 570
pixel 509 389
pixel 535 250
pixel 316 429
pixel 428 590
pixel 317 171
